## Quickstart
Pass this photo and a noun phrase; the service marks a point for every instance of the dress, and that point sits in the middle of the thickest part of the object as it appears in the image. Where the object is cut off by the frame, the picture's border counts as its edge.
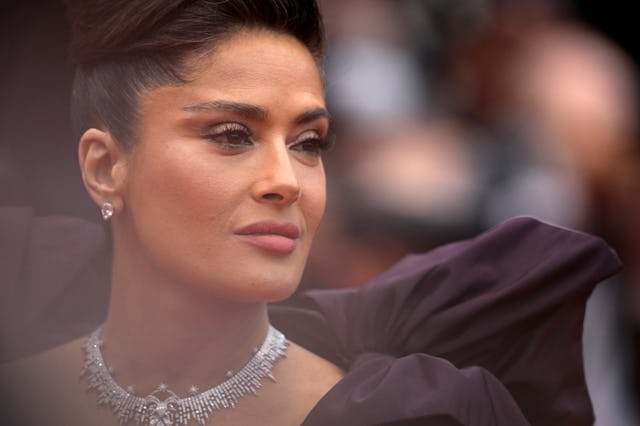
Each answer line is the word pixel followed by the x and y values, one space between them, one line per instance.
pixel 484 331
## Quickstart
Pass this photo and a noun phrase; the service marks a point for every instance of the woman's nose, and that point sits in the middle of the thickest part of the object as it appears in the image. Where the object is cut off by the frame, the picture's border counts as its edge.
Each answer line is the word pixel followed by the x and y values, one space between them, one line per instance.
pixel 277 182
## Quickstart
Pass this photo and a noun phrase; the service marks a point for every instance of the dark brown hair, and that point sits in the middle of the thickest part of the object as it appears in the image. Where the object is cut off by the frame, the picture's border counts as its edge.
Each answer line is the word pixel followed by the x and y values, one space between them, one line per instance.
pixel 124 47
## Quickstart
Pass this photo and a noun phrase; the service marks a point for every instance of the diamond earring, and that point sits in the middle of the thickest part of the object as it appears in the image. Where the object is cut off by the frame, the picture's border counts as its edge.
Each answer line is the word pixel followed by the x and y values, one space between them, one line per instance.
pixel 107 211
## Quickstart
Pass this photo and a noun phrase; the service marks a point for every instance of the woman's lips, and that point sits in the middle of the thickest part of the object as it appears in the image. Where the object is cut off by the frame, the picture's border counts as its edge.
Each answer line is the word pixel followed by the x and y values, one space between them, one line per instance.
pixel 274 243
pixel 276 237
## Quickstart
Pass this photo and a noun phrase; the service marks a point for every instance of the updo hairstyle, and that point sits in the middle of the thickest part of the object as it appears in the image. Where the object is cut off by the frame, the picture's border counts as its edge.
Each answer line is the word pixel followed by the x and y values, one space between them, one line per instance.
pixel 125 47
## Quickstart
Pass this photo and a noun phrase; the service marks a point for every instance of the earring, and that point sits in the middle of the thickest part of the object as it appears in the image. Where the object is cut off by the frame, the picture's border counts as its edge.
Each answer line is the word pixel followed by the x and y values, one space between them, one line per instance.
pixel 107 211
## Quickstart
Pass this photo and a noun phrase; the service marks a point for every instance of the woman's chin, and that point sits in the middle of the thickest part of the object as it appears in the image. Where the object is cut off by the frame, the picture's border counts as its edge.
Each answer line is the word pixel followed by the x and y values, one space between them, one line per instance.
pixel 269 292
pixel 257 291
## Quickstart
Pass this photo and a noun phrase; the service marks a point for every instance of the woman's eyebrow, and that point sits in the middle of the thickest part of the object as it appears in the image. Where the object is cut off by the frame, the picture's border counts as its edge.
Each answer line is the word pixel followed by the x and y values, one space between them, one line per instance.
pixel 245 110
pixel 253 111
pixel 312 115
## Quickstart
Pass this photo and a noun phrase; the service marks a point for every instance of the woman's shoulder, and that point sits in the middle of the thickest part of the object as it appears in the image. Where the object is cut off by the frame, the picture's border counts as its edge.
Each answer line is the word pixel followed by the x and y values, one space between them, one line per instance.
pixel 50 366
pixel 303 379
pixel 44 385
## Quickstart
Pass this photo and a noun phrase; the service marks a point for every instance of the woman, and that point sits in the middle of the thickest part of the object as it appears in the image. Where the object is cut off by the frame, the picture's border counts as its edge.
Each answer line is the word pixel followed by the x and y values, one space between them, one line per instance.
pixel 202 127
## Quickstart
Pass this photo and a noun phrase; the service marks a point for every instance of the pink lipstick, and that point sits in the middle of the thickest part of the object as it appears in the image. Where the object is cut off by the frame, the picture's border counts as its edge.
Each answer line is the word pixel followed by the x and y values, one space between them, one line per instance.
pixel 276 237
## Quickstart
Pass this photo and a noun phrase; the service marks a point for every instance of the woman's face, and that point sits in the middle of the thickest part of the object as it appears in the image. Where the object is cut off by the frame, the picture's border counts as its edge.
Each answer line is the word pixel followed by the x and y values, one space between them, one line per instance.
pixel 225 187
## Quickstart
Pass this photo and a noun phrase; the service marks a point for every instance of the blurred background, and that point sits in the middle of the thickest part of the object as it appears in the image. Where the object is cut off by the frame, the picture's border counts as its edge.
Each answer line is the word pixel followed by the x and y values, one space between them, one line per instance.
pixel 451 116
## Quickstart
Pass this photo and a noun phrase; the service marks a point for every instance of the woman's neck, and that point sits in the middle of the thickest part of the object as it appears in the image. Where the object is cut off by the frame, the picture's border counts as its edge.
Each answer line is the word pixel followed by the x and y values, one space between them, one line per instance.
pixel 159 332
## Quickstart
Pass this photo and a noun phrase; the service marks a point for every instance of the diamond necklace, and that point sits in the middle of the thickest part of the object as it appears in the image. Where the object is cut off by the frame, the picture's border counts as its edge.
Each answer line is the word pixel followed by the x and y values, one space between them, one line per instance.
pixel 172 410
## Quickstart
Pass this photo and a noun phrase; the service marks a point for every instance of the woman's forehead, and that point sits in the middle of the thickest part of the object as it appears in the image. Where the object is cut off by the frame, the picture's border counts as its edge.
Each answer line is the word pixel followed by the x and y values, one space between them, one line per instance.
pixel 253 49
pixel 263 73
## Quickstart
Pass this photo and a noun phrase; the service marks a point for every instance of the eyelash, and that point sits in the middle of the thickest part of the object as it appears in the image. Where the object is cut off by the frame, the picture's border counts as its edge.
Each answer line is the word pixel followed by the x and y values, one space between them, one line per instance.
pixel 227 130
pixel 314 145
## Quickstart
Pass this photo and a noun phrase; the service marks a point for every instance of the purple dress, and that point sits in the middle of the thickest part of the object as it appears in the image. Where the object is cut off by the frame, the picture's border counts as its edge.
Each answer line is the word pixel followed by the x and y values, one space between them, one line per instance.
pixel 484 331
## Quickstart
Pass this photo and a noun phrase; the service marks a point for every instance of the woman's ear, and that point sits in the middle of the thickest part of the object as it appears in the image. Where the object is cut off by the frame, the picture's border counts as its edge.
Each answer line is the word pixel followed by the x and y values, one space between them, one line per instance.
pixel 103 167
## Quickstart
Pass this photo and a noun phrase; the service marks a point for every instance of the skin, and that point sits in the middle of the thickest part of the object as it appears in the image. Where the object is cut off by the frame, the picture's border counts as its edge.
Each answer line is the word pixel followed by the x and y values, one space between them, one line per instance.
pixel 187 186
pixel 237 144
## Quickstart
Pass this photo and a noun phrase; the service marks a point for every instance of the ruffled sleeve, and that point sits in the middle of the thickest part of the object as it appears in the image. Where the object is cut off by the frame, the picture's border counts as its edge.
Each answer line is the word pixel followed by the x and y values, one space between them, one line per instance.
pixel 476 332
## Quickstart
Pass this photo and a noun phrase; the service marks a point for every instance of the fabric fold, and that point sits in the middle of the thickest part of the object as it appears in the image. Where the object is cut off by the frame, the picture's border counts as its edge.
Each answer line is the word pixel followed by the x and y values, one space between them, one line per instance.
pixel 510 301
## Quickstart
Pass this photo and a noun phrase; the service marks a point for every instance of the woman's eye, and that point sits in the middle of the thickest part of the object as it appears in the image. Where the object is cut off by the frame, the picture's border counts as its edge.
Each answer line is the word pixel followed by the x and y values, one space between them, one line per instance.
pixel 312 143
pixel 230 135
